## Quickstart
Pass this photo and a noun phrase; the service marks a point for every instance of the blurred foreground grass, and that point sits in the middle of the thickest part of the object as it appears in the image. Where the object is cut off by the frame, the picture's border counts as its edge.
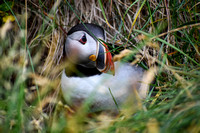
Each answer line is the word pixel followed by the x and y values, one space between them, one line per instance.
pixel 165 33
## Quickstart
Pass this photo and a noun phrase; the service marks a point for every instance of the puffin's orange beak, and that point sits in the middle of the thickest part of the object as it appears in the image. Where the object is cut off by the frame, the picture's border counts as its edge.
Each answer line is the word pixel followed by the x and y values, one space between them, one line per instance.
pixel 104 61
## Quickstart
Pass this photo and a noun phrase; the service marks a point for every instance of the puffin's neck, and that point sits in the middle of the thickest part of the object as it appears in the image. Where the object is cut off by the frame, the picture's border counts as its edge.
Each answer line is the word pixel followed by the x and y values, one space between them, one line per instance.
pixel 81 71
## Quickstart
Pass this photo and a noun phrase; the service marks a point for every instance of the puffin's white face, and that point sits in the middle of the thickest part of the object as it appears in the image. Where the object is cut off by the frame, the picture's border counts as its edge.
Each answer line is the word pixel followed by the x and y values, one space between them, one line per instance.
pixel 79 46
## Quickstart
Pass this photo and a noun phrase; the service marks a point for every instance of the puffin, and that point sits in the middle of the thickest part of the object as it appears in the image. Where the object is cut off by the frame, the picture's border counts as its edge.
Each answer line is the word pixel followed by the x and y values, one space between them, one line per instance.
pixel 92 77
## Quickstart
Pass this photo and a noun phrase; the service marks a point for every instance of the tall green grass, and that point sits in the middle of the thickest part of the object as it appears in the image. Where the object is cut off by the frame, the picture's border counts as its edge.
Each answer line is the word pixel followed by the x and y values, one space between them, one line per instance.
pixel 165 33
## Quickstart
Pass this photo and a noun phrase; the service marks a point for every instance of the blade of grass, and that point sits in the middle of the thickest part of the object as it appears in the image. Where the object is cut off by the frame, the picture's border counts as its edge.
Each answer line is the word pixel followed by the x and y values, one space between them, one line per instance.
pixel 149 9
pixel 113 99
pixel 104 15
pixel 177 29
pixel 128 9
pixel 135 20
pixel 187 37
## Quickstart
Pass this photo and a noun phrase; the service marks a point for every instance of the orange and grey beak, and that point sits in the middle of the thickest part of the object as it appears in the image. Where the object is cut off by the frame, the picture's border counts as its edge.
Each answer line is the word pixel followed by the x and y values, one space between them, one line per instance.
pixel 103 58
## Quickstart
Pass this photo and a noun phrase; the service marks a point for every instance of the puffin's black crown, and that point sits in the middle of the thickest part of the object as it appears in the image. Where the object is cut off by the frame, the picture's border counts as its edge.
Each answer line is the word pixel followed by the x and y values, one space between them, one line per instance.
pixel 92 29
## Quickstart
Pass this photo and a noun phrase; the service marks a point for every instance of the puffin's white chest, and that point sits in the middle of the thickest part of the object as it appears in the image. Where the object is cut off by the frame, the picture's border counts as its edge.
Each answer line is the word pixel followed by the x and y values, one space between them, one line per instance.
pixel 97 89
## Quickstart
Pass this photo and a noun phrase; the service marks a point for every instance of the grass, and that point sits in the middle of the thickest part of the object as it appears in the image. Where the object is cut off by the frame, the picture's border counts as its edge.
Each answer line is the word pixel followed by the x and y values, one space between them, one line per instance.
pixel 165 34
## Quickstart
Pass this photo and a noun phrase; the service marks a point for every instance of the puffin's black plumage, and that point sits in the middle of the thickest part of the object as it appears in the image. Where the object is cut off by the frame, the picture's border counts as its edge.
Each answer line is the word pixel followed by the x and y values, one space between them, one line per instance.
pixel 93 30
pixel 81 71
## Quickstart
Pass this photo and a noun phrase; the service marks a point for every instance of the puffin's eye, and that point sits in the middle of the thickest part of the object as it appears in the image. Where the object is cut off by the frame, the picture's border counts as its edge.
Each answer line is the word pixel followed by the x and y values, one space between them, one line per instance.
pixel 83 40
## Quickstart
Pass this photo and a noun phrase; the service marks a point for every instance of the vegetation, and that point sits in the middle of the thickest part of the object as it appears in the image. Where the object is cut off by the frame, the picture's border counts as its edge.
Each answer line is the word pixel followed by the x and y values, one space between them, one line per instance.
pixel 166 35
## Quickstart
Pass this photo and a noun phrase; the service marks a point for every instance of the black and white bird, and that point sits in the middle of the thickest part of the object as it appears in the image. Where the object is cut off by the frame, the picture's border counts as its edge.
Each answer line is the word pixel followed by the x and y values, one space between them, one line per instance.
pixel 104 84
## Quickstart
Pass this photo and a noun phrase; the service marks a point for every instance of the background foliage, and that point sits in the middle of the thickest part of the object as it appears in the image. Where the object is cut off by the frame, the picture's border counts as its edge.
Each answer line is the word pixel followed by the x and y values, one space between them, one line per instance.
pixel 164 33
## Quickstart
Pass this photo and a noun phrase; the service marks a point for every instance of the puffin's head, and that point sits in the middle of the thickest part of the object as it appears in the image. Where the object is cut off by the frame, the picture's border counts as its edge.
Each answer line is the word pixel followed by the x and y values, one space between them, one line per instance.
pixel 84 46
